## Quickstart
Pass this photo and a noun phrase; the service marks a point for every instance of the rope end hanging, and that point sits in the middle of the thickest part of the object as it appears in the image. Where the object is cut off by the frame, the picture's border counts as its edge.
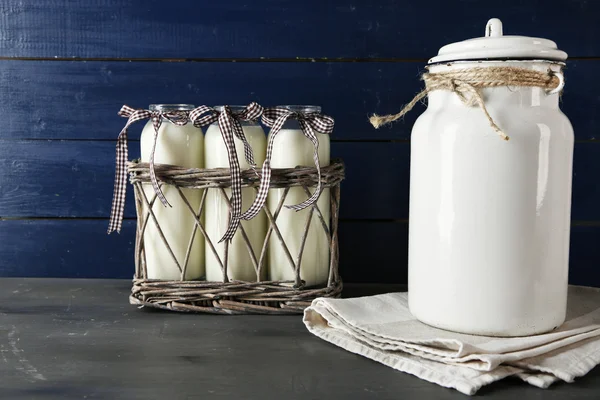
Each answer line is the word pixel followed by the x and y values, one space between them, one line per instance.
pixel 466 84
pixel 376 121
pixel 494 126
pixel 380 120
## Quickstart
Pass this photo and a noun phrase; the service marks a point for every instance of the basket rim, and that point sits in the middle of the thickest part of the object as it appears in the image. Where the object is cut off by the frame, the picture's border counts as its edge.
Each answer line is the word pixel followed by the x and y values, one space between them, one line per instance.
pixel 331 175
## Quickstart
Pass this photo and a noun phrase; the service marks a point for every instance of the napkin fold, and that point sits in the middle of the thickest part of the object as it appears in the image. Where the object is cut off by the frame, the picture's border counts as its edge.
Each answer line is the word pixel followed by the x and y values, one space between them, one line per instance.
pixel 383 329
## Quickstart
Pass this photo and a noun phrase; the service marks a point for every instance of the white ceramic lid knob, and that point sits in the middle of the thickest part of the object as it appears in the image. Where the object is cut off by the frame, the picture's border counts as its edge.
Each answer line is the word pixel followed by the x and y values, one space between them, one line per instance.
pixel 495 46
pixel 493 28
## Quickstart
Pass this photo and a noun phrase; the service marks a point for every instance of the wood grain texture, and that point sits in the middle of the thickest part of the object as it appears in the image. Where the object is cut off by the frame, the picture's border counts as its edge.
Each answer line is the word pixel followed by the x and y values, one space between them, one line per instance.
pixel 585 255
pixel 75 179
pixel 370 252
pixel 290 52
pixel 66 249
pixel 79 100
pixel 79 339
pixel 79 248
pixel 280 28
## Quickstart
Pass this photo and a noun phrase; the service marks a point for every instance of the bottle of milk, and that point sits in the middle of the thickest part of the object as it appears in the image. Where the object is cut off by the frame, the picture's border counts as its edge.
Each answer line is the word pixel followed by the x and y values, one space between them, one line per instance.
pixel 182 146
pixel 239 262
pixel 290 149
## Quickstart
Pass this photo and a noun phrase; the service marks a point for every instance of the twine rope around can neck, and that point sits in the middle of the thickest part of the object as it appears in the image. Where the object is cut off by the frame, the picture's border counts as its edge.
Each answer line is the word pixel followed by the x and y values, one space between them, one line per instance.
pixel 466 83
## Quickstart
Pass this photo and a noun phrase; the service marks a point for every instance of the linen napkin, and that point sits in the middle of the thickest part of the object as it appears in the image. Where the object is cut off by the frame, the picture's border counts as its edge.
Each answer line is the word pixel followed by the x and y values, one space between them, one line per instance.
pixel 383 329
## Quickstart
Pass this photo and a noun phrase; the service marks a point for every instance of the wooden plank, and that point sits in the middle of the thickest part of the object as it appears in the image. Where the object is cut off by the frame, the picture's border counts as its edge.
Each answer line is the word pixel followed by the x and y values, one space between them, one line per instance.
pixel 66 248
pixel 279 28
pixel 75 179
pixel 585 255
pixel 58 179
pixel 586 191
pixel 79 100
pixel 80 248
pixel 377 252
pixel 79 339
pixel 370 252
pixel 577 94
pixel 374 252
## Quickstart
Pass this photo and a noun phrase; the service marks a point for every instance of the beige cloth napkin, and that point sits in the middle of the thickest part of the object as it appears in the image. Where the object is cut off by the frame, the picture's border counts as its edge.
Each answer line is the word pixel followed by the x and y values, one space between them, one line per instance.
pixel 383 329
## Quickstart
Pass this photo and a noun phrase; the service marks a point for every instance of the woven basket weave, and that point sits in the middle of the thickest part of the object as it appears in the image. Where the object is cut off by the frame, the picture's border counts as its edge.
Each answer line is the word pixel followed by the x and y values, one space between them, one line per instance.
pixel 234 297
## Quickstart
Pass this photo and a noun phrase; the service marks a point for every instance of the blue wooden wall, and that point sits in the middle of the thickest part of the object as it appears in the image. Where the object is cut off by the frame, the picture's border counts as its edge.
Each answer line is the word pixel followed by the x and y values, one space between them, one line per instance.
pixel 67 66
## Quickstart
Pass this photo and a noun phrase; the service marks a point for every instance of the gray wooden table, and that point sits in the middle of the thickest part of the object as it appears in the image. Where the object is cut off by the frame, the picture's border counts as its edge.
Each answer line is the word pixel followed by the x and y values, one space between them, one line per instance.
pixel 81 339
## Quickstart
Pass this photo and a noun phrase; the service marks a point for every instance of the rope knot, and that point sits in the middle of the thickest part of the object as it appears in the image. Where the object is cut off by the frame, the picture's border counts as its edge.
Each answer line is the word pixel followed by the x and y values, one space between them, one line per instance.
pixel 466 83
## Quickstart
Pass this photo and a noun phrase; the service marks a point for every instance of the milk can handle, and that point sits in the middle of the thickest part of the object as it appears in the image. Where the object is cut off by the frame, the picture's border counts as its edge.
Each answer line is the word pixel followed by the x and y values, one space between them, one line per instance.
pixel 561 83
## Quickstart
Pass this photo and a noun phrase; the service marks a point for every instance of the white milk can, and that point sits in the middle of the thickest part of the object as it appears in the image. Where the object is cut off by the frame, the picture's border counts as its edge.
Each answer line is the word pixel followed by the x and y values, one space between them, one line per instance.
pixel 490 188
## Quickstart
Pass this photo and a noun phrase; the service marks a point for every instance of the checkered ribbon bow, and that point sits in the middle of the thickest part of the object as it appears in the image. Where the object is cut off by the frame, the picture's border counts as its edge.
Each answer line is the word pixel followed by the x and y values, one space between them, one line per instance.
pixel 120 189
pixel 229 124
pixel 230 127
pixel 310 123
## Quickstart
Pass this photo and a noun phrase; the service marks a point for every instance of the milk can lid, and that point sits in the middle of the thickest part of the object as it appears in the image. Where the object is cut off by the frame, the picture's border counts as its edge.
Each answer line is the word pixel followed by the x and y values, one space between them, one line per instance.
pixel 496 46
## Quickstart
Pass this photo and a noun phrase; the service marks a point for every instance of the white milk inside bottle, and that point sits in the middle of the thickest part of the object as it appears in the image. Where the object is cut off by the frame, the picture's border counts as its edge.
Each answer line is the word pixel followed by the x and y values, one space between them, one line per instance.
pixel 240 264
pixel 182 146
pixel 290 149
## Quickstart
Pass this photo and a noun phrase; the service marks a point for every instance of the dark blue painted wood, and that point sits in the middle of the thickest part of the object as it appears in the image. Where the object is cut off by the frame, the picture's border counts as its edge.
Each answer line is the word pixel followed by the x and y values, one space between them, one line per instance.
pixel 374 252
pixel 79 100
pixel 81 248
pixel 280 28
pixel 369 251
pixel 75 179
pixel 57 179
pixel 65 248
pixel 378 252
pixel 585 256
pixel 586 190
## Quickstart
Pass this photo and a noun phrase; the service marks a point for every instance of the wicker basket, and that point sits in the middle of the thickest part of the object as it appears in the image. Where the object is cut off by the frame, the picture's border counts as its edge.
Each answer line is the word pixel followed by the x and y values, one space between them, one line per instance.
pixel 234 297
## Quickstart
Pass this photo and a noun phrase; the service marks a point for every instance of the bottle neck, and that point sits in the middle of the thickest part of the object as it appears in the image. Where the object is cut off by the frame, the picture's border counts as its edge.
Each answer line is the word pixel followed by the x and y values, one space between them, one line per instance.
pixel 243 123
pixel 502 96
pixel 236 110
pixel 170 107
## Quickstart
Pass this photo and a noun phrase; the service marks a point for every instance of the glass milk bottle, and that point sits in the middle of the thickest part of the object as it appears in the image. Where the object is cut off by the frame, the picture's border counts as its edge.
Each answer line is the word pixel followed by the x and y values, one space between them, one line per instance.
pixel 489 219
pixel 239 263
pixel 182 146
pixel 290 149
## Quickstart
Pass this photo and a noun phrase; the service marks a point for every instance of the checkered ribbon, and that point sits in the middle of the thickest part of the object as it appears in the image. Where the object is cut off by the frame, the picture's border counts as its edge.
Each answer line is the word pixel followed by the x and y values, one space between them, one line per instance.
pixel 120 188
pixel 309 124
pixel 230 127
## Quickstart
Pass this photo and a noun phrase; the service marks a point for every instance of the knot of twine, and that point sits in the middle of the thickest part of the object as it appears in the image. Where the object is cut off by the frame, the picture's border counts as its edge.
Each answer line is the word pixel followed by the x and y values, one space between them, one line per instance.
pixel 466 83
